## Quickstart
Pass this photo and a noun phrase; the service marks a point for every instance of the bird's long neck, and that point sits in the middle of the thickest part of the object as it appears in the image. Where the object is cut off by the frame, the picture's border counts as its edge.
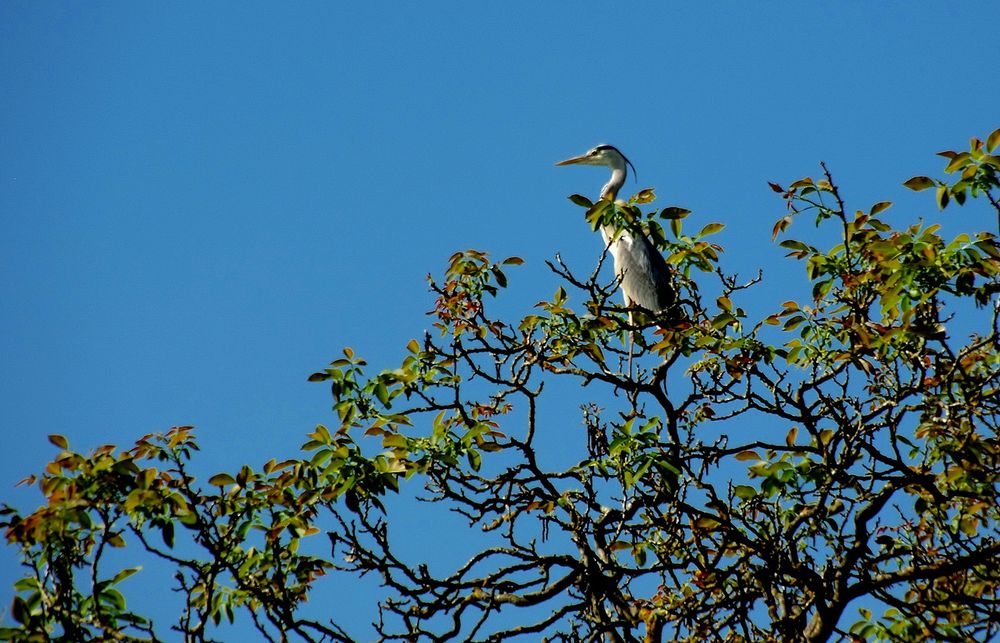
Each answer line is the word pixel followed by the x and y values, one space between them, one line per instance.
pixel 610 190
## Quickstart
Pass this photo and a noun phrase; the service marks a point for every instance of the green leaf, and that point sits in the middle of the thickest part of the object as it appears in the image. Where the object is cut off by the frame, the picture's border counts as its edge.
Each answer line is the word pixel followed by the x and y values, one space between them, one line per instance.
pixel 382 393
pixel 942 197
pixel 881 206
pixel 707 523
pixel 793 322
pixel 744 491
pixel 993 140
pixel 991 160
pixel 394 440
pixel 958 162
pixel 673 212
pixel 743 456
pixel 19 610
pixel 675 227
pixel 645 195
pixel 499 276
pixel 919 183
pixel 475 459
pixel 221 480
pixel 793 244
pixel 711 228
pixel 113 598
pixel 581 200
pixel 167 533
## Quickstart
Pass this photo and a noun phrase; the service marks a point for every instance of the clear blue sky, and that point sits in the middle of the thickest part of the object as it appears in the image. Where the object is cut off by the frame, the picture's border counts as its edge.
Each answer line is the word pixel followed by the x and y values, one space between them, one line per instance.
pixel 203 202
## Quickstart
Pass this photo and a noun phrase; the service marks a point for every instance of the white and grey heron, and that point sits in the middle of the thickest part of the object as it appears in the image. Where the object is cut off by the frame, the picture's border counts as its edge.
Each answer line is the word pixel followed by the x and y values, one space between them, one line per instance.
pixel 645 279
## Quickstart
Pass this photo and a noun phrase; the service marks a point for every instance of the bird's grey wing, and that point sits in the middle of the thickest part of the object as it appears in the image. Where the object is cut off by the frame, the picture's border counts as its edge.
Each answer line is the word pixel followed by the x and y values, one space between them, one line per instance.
pixel 645 277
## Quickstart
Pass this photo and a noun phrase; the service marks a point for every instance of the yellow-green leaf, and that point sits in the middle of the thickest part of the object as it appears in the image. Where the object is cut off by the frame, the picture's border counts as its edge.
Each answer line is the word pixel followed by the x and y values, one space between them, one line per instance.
pixel 957 163
pixel 919 183
pixel 221 480
pixel 942 197
pixel 881 206
pixel 394 440
pixel 993 140
pixel 711 228
pixel 706 522
pixel 645 195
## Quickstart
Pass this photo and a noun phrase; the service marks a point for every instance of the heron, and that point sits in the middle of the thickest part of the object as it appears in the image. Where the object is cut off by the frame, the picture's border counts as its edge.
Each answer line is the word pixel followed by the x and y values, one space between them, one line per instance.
pixel 641 271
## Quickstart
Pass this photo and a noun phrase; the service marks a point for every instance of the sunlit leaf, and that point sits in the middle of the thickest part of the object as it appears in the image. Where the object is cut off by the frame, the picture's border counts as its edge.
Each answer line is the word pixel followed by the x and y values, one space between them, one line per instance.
pixel 394 440
pixel 919 183
pixel 881 206
pixel 711 228
pixel 958 162
pixel 221 480
pixel 993 140
pixel 942 197
pixel 645 195
pixel 780 226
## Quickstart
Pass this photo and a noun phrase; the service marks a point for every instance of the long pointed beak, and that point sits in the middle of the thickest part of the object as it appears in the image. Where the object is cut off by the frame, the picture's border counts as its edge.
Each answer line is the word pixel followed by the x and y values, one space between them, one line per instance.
pixel 575 159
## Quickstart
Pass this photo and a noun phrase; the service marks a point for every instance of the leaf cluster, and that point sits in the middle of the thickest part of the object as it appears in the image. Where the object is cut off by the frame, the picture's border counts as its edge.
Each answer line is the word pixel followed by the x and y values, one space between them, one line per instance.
pixel 749 479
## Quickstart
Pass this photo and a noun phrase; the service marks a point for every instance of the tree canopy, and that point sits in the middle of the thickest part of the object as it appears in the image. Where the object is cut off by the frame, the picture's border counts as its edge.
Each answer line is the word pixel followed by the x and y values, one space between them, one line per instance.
pixel 825 471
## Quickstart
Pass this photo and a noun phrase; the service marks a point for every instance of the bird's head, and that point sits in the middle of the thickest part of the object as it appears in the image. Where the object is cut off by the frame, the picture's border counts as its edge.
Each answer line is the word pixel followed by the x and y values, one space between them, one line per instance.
pixel 605 155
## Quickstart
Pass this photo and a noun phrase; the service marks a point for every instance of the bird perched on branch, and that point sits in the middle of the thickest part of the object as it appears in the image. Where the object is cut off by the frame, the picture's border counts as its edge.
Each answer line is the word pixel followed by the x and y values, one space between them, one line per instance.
pixel 645 279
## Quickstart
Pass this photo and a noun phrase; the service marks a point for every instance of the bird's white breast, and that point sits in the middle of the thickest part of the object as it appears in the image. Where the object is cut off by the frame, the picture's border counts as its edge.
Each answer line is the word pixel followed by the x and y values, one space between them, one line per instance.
pixel 617 243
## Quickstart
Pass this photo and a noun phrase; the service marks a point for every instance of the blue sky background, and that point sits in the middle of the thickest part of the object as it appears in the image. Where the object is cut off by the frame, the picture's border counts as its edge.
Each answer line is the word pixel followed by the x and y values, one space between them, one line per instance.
pixel 202 203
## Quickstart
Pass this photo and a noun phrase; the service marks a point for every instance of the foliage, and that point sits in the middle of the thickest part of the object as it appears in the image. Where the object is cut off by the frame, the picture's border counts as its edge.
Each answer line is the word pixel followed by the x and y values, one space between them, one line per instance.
pixel 778 479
